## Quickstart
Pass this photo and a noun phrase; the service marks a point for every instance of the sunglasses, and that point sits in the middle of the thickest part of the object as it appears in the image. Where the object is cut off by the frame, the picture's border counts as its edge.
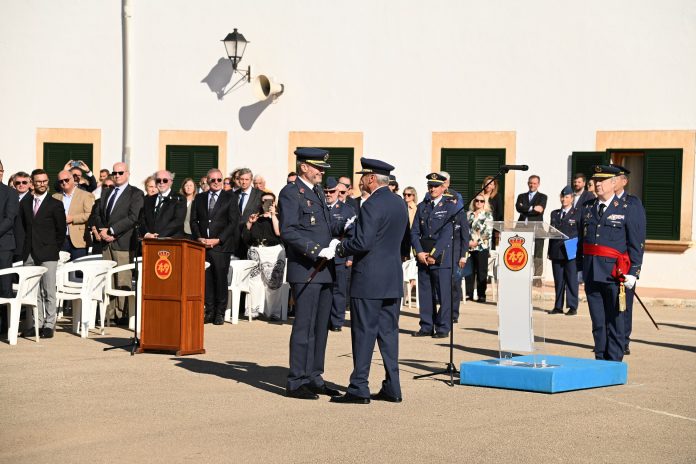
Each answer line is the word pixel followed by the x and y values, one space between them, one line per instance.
pixel 118 173
pixel 211 180
pixel 408 194
pixel 342 192
pixel 20 182
pixel 63 181
pixel 161 181
pixel 226 183
pixel 479 201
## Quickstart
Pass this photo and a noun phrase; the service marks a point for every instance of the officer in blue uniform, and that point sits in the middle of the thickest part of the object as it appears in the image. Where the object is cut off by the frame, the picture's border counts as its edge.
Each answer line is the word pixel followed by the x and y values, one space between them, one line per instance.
pixel 377 284
pixel 306 228
pixel 611 235
pixel 565 275
pixel 341 213
pixel 633 203
pixel 431 237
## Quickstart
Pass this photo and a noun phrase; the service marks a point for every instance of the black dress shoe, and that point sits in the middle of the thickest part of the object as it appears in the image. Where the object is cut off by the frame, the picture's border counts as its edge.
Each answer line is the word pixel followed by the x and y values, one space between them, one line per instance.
pixel 481 300
pixel 421 333
pixel 219 320
pixel 441 335
pixel 455 320
pixel 324 390
pixel 572 312
pixel 46 333
pixel 302 393
pixel 627 350
pixel 382 396
pixel 349 398
pixel 29 333
pixel 336 329
pixel 208 318
pixel 556 311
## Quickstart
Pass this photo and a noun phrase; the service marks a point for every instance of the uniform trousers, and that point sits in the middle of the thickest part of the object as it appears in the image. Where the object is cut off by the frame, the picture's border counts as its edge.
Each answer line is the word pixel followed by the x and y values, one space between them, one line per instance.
pixel 608 324
pixel 47 295
pixel 370 321
pixel 216 282
pixel 340 293
pixel 434 285
pixel 565 281
pixel 628 316
pixel 309 334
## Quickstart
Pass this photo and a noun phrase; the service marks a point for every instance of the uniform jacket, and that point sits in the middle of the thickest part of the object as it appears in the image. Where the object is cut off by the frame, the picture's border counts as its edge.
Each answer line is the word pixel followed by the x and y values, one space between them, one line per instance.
pixel 45 232
pixel 80 209
pixel 522 205
pixel 431 222
pixel 622 227
pixel 123 218
pixel 376 247
pixel 222 224
pixel 306 227
pixel 9 209
pixel 341 212
pixel 169 221
pixel 568 225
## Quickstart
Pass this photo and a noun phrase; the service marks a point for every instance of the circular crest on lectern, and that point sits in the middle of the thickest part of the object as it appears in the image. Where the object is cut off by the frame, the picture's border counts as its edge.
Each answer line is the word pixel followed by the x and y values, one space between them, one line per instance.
pixel 163 267
pixel 515 256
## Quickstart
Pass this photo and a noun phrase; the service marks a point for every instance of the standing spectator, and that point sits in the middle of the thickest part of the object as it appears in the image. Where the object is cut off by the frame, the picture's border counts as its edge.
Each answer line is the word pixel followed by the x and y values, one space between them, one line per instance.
pixel 22 184
pixel 87 181
pixel 103 175
pixel 119 210
pixel 150 186
pixel 393 184
pixel 492 196
pixel 350 201
pixel 215 223
pixel 260 183
pixel 531 206
pixel 203 184
pixel 479 217
pixel 364 195
pixel 262 235
pixel 580 193
pixel 410 265
pixel 9 208
pixel 248 199
pixel 227 184
pixel 235 180
pixel 43 219
pixel 188 191
pixel 292 177
pixel 163 214
pixel 77 205
pixel 565 274
pixel 377 285
pixel 450 190
pixel 591 187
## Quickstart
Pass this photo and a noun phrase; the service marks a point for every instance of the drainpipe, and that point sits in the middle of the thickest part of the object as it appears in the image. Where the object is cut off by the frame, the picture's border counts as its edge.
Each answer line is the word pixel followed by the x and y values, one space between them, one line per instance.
pixel 125 46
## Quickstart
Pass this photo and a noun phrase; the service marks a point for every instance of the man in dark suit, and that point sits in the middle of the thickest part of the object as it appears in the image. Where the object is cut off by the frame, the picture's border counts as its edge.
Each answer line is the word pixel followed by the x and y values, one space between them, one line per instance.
pixel 347 196
pixel 580 192
pixel 163 214
pixel 377 286
pixel 306 229
pixel 9 208
pixel 248 200
pixel 215 223
pixel 43 219
pixel 565 274
pixel 531 206
pixel 119 210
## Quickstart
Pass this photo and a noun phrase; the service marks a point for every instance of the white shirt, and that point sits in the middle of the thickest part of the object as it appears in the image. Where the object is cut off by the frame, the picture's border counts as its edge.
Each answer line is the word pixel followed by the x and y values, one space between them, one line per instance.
pixel 245 200
pixel 67 200
pixel 118 194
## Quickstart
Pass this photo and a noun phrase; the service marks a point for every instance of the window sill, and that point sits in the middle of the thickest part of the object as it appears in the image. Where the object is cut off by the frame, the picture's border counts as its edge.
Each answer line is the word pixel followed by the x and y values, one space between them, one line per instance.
pixel 670 246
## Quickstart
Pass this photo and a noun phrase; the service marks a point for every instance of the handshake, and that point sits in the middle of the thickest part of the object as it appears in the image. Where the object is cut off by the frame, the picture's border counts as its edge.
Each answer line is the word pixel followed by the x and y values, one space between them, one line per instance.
pixel 330 251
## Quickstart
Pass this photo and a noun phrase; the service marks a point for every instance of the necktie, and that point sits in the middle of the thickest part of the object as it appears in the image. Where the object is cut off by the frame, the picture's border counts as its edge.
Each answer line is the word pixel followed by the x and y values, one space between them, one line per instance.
pixel 601 209
pixel 110 205
pixel 160 199
pixel 241 201
pixel 211 202
pixel 37 203
pixel 319 193
pixel 563 213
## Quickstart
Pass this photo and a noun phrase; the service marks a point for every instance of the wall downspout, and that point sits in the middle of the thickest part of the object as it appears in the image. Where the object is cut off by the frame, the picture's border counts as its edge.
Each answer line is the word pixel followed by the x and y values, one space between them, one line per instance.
pixel 126 11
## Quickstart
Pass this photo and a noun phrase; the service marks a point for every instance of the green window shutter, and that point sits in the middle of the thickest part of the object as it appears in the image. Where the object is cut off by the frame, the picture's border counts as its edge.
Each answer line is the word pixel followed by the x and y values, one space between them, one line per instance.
pixel 584 162
pixel 662 193
pixel 469 166
pixel 341 160
pixel 55 155
pixel 190 161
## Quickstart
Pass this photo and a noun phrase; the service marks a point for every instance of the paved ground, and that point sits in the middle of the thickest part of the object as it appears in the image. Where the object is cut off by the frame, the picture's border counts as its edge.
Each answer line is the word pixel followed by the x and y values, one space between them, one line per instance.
pixel 65 400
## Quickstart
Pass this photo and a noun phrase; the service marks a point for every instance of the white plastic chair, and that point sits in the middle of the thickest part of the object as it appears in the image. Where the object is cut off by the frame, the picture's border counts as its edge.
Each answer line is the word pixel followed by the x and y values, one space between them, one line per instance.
pixel 110 292
pixel 408 290
pixel 27 294
pixel 90 292
pixel 240 269
pixel 63 257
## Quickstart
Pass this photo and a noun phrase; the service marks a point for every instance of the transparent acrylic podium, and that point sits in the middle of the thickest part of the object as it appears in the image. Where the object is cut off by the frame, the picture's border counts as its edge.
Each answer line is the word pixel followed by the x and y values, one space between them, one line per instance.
pixel 515 266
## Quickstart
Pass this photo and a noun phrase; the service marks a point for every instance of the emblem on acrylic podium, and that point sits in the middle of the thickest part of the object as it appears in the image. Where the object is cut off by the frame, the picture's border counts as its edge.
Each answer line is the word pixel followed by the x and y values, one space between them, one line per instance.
pixel 515 256
pixel 163 267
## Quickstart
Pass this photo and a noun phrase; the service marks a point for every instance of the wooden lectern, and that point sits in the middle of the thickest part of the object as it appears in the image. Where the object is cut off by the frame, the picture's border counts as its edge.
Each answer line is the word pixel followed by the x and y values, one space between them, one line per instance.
pixel 173 285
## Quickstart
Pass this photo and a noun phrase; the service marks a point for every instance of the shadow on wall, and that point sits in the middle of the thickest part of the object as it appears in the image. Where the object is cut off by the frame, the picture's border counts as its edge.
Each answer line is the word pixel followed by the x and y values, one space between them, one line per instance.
pixel 219 77
pixel 249 114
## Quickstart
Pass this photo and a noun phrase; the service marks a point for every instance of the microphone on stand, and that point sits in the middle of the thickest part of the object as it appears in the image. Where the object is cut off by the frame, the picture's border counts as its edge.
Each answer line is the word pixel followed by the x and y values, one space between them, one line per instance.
pixel 514 167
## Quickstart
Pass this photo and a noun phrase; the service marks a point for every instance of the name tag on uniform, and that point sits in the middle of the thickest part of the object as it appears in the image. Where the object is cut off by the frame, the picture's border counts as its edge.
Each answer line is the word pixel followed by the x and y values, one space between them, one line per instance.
pixel 439 214
pixel 615 217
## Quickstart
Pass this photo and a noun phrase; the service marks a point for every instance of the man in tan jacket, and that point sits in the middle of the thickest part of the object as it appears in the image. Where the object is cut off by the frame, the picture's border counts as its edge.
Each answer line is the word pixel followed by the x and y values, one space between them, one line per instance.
pixel 78 206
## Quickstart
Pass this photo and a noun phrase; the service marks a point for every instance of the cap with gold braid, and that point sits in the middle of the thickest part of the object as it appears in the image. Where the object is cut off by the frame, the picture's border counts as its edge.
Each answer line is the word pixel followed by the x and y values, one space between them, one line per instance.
pixel 602 172
pixel 435 179
pixel 317 157
pixel 374 166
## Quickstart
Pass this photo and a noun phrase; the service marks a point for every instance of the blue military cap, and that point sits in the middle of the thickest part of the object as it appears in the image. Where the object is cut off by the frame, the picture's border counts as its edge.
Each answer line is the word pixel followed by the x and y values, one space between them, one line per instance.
pixel 567 190
pixel 315 156
pixel 602 172
pixel 623 170
pixel 392 179
pixel 435 179
pixel 373 166
pixel 331 184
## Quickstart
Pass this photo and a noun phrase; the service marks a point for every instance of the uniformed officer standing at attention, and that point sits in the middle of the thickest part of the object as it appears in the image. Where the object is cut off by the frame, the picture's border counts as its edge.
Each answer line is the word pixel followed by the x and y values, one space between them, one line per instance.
pixel 431 237
pixel 633 203
pixel 612 235
pixel 340 212
pixel 377 285
pixel 306 229
pixel 565 274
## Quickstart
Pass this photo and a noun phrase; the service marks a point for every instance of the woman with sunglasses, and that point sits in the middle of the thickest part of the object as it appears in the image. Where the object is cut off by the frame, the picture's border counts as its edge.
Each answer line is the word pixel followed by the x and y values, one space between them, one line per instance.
pixel 410 265
pixel 479 217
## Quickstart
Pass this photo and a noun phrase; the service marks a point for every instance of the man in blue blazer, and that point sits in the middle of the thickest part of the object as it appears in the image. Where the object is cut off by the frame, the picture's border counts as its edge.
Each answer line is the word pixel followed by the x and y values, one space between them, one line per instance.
pixel 565 275
pixel 377 284
pixel 306 228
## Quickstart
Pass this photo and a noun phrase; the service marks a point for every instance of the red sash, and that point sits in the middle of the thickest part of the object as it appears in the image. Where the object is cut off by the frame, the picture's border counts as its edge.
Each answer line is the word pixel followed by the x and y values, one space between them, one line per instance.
pixel 623 262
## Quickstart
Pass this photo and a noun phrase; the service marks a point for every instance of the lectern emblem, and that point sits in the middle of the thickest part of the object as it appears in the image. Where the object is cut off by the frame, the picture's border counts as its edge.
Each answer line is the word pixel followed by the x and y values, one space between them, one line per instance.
pixel 515 256
pixel 163 267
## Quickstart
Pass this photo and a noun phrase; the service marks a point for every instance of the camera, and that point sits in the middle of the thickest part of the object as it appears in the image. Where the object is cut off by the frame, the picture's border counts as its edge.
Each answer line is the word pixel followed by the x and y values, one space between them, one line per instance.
pixel 75 164
pixel 267 205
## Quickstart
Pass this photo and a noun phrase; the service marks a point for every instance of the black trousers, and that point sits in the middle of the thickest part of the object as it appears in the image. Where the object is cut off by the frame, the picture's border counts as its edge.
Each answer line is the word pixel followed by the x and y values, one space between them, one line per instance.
pixel 216 282
pixel 479 274
pixel 5 288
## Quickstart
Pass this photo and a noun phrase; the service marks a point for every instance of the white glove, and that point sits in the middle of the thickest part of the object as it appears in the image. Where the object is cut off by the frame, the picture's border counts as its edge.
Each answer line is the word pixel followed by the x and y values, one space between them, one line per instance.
pixel 327 253
pixel 333 244
pixel 349 223
pixel 579 277
pixel 630 281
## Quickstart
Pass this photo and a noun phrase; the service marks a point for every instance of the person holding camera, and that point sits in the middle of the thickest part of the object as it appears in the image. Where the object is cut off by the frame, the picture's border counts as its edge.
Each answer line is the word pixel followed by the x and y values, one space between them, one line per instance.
pixel 261 233
pixel 82 175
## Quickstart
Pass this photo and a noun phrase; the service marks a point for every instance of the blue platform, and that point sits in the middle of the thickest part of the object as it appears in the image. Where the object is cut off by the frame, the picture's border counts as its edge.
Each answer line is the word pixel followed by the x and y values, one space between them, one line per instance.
pixel 558 375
